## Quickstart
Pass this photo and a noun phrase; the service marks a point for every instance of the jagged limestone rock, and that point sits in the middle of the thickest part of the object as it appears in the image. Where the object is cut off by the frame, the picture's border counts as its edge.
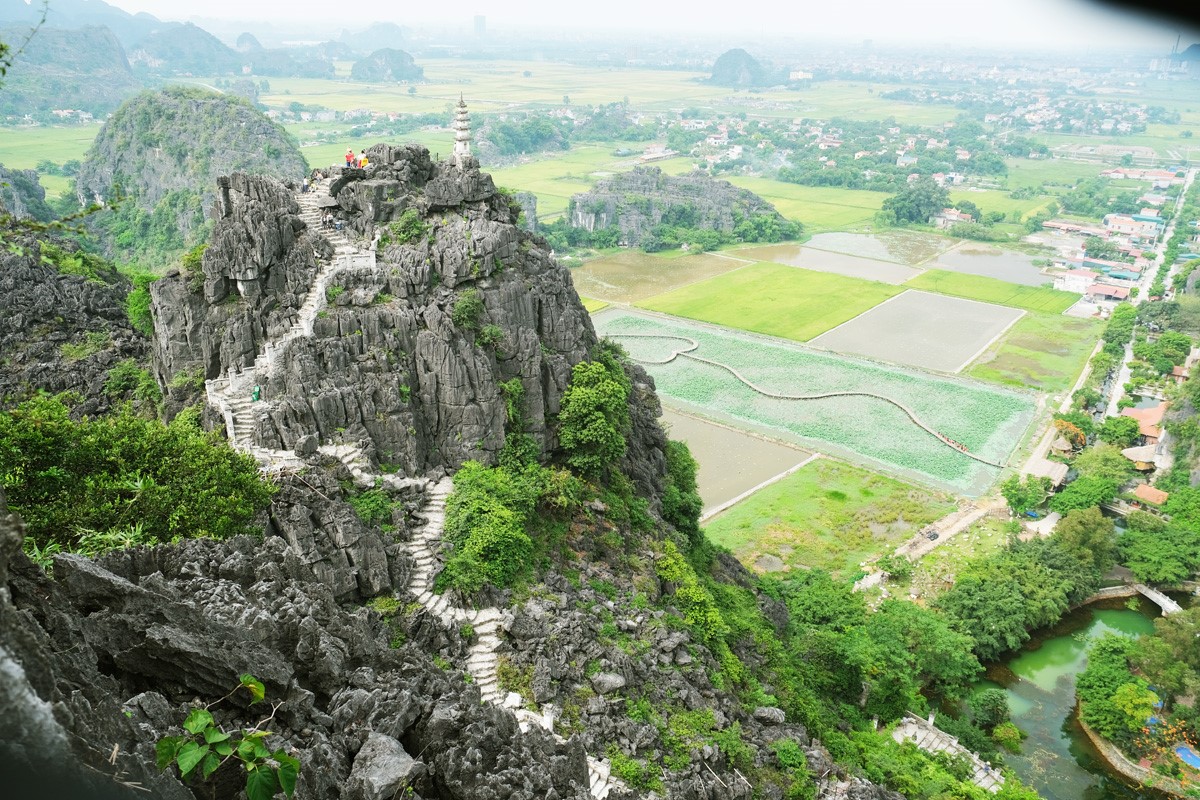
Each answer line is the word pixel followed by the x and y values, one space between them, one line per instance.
pixel 644 197
pixel 62 332
pixel 387 367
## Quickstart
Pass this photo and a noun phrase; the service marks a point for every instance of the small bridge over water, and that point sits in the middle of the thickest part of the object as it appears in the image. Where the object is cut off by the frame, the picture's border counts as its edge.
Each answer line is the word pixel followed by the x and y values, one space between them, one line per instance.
pixel 1167 605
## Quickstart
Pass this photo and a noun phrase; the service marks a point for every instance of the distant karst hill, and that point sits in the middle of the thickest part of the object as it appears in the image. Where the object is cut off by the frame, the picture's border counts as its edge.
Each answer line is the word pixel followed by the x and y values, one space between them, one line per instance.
pixel 651 209
pixel 378 36
pixel 129 28
pixel 738 69
pixel 82 69
pixel 22 195
pixel 387 65
pixel 186 49
pixel 163 151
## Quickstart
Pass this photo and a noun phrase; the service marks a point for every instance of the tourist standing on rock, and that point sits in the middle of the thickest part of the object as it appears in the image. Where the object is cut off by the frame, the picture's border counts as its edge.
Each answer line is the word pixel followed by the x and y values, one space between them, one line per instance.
pixel 362 159
pixel 349 156
pixel 304 187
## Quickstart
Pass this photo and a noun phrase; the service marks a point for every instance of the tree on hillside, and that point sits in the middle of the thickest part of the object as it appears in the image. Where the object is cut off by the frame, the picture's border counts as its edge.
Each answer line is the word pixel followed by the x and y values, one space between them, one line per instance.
pixel 1083 493
pixel 1104 461
pixel 916 203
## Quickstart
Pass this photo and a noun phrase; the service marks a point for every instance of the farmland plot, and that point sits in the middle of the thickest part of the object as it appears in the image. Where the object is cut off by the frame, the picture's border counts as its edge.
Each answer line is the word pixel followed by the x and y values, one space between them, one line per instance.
pixel 988 421
pixel 922 330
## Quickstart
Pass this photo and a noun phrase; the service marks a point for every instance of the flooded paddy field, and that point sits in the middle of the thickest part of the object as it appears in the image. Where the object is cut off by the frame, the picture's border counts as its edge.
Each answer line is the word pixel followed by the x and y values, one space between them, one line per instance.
pixel 731 461
pixel 989 261
pixel 632 275
pixel 903 247
pixel 921 329
pixel 794 255
pixel 870 430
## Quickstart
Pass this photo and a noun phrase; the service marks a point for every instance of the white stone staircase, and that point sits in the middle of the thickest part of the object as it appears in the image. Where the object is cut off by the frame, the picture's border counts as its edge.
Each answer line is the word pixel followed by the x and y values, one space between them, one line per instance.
pixel 232 396
pixel 482 664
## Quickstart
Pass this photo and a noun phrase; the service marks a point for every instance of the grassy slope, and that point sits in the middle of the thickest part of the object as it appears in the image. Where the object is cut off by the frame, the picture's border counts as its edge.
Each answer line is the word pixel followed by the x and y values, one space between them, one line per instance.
pixel 822 516
pixel 992 290
pixel 1042 351
pixel 777 300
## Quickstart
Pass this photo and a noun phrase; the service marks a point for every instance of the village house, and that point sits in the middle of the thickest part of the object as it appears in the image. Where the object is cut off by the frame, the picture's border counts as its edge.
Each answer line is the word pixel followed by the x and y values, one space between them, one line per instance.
pixel 1105 292
pixel 1148 495
pixel 1149 421
pixel 950 216
pixel 1075 280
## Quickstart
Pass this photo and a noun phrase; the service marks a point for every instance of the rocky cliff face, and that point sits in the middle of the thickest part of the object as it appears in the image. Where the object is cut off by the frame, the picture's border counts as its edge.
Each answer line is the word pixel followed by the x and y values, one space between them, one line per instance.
pixel 637 200
pixel 407 354
pixel 387 65
pixel 102 661
pixel 62 332
pixel 22 195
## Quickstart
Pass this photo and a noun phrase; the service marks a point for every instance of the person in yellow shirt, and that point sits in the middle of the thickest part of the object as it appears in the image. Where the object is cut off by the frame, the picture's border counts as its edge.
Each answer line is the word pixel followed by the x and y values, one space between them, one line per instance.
pixel 362 159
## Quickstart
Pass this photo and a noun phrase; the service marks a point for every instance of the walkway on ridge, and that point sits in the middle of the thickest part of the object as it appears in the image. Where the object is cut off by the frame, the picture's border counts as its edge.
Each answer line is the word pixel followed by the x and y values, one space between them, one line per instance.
pixel 233 396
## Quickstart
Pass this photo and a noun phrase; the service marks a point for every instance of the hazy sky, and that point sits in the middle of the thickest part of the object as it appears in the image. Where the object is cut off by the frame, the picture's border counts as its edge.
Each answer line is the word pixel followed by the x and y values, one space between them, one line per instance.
pixel 1072 23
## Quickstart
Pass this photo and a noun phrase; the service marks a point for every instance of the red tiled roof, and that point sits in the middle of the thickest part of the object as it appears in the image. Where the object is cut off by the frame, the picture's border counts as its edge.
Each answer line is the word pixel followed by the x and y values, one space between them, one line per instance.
pixel 1149 494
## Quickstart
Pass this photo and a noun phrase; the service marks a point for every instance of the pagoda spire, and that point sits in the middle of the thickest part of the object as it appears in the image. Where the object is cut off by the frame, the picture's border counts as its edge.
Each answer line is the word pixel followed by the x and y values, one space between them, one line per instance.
pixel 462 134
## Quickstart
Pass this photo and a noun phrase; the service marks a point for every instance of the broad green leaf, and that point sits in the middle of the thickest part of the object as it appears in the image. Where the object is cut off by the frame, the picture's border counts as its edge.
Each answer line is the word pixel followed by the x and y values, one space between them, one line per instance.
pixel 254 686
pixel 189 756
pixel 223 749
pixel 289 768
pixel 213 735
pixel 245 749
pixel 211 762
pixel 261 783
pixel 197 720
pixel 166 750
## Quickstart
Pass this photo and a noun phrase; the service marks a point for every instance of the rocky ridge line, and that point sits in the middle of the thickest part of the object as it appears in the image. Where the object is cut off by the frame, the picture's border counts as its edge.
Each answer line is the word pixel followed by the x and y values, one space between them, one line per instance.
pixel 232 396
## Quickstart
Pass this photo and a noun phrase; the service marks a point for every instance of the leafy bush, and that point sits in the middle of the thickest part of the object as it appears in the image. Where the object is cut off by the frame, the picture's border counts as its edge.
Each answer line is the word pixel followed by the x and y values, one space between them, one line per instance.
pixel 372 506
pixel 595 416
pixel 70 479
pixel 128 377
pixel 681 503
pixel 407 229
pixel 137 303
pixel 468 308
pixel 93 342
pixel 206 746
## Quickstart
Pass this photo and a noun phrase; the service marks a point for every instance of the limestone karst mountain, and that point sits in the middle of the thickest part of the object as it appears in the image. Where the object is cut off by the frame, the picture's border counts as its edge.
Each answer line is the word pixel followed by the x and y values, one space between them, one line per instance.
pixel 372 356
pixel 738 69
pixel 387 65
pixel 162 152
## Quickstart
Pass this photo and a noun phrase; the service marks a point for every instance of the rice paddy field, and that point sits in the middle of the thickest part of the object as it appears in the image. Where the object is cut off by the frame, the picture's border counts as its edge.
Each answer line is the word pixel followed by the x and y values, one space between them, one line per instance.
pixel 774 299
pixel 829 515
pixel 631 275
pixel 993 290
pixel 794 255
pixel 929 331
pixel 1041 351
pixel 988 420
pixel 820 208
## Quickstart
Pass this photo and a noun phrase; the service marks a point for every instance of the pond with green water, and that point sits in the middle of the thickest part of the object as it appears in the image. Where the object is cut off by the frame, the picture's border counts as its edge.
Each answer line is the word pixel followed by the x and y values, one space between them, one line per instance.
pixel 1057 759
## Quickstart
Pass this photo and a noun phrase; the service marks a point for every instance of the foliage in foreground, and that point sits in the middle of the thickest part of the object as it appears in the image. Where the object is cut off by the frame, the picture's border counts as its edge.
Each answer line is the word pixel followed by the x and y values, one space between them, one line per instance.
pixel 123 477
pixel 206 747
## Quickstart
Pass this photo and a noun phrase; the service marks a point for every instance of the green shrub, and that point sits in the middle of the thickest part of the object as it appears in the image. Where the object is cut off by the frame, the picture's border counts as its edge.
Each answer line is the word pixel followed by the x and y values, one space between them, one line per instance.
pixel 137 303
pixel 594 416
pixel 128 377
pixel 634 771
pixel 681 503
pixel 69 479
pixel 93 342
pixel 334 292
pixel 468 308
pixel 1008 736
pixel 489 336
pixel 372 506
pixel 408 228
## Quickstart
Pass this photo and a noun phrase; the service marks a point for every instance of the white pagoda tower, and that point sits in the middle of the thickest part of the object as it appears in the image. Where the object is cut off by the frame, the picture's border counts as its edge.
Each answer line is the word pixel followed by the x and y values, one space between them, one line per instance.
pixel 462 134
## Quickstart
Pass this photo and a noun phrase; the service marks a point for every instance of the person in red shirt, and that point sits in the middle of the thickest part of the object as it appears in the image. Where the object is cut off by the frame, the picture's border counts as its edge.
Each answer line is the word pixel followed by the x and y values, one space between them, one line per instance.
pixel 349 156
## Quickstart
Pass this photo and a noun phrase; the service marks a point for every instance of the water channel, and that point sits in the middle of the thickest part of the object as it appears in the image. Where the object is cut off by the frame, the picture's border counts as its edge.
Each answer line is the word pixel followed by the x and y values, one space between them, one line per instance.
pixel 1057 759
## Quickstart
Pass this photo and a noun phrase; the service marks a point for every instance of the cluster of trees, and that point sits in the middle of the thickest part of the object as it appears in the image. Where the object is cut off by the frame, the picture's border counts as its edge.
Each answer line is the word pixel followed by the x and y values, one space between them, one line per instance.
pixel 674 232
pixel 529 135
pixel 1129 691
pixel 1095 197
